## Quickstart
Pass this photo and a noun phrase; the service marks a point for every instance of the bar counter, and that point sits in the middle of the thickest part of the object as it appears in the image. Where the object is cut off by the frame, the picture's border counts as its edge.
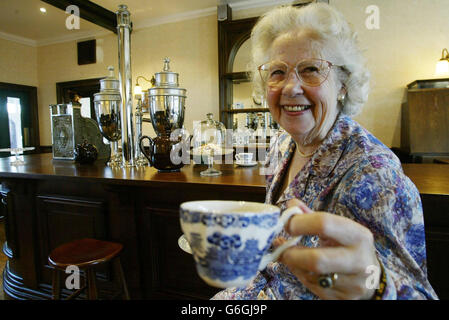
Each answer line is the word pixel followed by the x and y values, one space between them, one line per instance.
pixel 429 178
pixel 42 165
pixel 50 202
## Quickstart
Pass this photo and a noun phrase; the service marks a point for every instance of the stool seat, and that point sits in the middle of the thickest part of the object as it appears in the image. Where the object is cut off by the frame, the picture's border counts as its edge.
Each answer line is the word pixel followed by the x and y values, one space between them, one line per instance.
pixel 84 253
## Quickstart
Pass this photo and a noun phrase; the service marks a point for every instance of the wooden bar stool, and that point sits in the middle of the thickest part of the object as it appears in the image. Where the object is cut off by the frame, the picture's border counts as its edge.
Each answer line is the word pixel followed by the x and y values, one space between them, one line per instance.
pixel 87 254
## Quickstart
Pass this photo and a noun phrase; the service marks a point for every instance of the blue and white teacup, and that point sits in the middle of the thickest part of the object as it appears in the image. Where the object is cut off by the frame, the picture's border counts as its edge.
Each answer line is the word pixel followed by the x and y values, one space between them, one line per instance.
pixel 230 239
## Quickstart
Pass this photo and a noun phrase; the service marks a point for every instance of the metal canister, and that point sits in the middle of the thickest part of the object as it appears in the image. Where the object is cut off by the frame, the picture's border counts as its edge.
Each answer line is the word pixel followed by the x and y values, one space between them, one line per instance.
pixel 107 107
pixel 166 101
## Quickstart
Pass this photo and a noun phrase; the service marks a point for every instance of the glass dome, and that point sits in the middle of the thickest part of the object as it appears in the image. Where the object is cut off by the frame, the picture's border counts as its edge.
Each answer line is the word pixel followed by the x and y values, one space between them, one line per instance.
pixel 209 133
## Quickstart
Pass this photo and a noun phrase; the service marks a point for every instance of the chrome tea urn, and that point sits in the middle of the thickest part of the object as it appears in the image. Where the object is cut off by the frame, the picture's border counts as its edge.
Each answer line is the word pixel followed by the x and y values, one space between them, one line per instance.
pixel 107 112
pixel 166 104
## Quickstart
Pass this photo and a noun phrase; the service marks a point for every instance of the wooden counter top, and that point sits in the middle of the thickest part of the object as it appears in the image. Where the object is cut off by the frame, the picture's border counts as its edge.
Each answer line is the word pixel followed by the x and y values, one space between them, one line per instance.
pixel 38 166
pixel 429 178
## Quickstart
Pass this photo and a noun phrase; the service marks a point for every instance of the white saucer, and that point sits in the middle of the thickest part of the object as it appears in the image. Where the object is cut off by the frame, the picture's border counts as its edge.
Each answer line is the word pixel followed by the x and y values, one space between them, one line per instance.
pixel 184 244
pixel 246 164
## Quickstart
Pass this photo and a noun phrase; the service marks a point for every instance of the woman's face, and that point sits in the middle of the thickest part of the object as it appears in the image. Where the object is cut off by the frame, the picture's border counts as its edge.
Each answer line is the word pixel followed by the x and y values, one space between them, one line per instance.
pixel 312 124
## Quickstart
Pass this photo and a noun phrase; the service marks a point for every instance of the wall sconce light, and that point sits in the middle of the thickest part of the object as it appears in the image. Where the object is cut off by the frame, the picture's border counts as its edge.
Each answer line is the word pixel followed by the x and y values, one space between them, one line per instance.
pixel 443 65
pixel 141 108
pixel 138 88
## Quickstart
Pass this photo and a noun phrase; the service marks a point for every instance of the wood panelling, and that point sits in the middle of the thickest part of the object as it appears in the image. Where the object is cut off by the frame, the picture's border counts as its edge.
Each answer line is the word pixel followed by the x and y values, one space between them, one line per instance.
pixel 171 271
pixel 436 222
pixel 10 248
pixel 437 244
pixel 61 219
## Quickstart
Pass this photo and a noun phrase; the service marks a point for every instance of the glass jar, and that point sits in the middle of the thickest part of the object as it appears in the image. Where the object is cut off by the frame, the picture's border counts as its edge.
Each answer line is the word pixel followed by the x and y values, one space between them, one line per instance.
pixel 209 133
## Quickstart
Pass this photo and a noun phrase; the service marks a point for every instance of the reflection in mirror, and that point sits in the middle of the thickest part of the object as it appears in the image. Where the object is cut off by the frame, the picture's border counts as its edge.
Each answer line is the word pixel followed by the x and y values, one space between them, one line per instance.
pixel 38 50
pixel 243 96
pixel 242 58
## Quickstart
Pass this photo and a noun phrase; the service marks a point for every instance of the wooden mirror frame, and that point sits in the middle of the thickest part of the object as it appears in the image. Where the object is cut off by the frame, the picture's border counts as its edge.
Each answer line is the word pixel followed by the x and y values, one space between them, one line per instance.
pixel 231 35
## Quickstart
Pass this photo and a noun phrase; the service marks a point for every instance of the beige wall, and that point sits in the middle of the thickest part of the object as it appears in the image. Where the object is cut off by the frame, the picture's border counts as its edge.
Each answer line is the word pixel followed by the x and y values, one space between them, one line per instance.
pixel 405 48
pixel 18 63
pixel 191 46
pixel 59 63
pixel 409 42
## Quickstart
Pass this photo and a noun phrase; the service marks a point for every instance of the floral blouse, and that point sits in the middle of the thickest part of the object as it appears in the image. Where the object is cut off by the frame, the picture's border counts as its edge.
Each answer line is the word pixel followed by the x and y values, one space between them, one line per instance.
pixel 354 175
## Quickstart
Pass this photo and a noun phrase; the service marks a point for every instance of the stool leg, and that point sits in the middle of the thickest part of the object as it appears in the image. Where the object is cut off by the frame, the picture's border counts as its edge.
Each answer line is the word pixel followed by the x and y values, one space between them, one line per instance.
pixel 121 278
pixel 91 285
pixel 56 284
pixel 80 290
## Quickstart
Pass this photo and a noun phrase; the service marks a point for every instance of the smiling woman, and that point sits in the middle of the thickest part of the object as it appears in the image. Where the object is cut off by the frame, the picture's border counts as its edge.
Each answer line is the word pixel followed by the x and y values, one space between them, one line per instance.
pixel 363 231
pixel 374 192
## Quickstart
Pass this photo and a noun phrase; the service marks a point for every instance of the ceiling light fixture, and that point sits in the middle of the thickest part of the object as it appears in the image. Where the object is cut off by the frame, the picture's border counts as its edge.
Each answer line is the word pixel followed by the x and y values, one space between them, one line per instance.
pixel 43 10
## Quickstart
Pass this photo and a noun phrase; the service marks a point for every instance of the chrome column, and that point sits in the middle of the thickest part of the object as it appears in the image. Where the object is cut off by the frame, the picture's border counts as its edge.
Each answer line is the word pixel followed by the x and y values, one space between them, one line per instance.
pixel 124 29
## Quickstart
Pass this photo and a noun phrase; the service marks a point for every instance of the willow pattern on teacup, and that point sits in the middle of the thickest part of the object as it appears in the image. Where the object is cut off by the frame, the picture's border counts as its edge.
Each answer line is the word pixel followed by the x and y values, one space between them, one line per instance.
pixel 223 262
pixel 225 220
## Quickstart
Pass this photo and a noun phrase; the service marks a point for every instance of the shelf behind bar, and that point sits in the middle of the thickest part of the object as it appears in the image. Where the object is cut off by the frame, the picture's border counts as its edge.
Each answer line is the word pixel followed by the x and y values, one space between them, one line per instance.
pixel 238 76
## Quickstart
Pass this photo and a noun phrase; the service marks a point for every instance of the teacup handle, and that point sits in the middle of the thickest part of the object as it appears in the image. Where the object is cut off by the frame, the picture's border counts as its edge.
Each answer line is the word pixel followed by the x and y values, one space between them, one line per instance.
pixel 286 215
pixel 237 157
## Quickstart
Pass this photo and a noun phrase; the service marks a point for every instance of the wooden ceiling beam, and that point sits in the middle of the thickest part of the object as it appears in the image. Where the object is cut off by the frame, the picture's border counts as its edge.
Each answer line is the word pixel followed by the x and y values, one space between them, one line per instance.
pixel 89 11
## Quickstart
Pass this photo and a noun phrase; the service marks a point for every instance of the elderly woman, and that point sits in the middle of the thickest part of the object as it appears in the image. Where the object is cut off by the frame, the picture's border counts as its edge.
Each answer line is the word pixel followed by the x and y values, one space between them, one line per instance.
pixel 363 230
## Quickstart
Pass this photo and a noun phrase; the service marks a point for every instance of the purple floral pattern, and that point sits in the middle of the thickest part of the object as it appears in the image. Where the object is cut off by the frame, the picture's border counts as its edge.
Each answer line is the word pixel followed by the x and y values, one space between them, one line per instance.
pixel 354 175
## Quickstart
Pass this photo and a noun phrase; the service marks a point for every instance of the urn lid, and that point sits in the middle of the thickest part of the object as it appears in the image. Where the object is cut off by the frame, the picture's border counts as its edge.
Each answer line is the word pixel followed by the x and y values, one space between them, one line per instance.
pixel 109 88
pixel 101 96
pixel 166 83
pixel 110 82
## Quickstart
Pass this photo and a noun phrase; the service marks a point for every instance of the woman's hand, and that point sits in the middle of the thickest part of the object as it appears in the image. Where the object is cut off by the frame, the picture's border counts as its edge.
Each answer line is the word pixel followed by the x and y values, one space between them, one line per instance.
pixel 346 248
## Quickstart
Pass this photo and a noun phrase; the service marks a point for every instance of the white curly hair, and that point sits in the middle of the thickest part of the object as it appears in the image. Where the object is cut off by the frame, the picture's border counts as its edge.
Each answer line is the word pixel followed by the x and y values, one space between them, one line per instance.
pixel 331 33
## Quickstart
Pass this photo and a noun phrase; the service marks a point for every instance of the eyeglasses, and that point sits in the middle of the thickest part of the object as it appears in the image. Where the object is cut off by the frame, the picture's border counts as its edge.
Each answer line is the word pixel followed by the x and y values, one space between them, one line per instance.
pixel 312 72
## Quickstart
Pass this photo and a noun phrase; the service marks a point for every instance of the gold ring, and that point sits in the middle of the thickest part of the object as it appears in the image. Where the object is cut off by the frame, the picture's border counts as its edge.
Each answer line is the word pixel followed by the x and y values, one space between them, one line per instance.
pixel 327 280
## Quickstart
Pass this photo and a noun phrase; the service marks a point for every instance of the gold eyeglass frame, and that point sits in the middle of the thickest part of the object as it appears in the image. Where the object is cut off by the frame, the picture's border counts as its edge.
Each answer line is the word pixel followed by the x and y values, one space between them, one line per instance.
pixel 329 64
